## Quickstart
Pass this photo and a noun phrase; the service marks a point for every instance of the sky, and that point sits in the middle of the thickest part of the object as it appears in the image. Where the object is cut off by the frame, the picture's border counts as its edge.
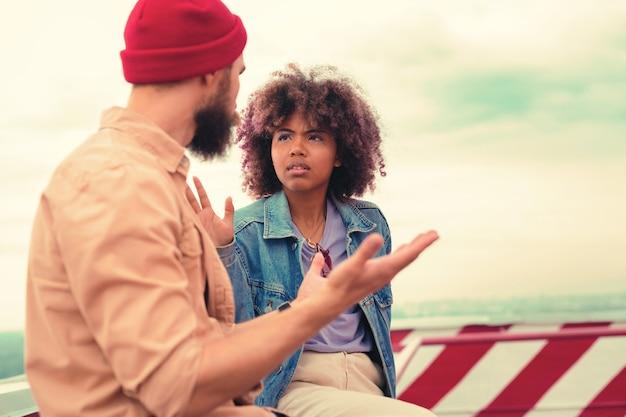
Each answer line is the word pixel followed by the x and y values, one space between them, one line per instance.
pixel 504 128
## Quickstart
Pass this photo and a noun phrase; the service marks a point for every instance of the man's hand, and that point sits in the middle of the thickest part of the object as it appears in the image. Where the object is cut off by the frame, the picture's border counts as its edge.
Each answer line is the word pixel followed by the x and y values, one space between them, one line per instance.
pixel 313 280
pixel 220 230
pixel 274 336
pixel 360 274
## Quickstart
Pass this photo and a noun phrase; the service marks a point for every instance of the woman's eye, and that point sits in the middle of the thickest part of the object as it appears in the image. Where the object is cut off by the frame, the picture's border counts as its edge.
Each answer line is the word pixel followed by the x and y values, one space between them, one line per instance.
pixel 315 138
pixel 282 137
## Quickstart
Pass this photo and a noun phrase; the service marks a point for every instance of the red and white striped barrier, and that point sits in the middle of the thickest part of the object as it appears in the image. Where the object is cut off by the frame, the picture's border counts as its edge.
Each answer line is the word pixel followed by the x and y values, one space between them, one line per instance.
pixel 562 370
pixel 543 370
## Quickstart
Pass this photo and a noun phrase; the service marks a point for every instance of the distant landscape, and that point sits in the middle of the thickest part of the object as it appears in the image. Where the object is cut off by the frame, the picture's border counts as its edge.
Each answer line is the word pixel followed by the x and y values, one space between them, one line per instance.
pixel 610 307
pixel 11 354
pixel 538 308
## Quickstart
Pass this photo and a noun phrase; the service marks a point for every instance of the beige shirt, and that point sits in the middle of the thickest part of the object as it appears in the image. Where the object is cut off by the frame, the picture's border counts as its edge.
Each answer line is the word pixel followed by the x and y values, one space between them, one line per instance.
pixel 116 318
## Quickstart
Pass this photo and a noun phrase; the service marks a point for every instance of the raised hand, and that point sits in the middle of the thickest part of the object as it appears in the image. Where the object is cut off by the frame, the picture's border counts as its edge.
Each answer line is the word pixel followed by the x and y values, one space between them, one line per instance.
pixel 219 229
pixel 361 274
pixel 313 280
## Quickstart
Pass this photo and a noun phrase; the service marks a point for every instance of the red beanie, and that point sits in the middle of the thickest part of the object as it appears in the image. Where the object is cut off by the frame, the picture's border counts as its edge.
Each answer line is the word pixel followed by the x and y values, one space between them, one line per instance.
pixel 172 40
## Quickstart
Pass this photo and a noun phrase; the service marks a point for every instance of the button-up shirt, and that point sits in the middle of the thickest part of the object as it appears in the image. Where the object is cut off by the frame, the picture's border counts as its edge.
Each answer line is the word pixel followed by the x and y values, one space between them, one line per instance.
pixel 117 318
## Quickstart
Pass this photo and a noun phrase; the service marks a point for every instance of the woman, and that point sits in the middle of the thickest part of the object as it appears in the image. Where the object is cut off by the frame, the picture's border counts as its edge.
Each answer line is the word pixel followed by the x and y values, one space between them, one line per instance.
pixel 310 143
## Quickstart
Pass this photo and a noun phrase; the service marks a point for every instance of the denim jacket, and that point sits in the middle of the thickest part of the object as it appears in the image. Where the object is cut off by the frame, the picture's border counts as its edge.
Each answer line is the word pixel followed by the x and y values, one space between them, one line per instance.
pixel 264 265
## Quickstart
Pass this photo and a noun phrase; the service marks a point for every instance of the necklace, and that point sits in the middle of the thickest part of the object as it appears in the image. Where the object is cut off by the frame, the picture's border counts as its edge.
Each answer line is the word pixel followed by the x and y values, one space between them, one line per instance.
pixel 328 263
pixel 310 242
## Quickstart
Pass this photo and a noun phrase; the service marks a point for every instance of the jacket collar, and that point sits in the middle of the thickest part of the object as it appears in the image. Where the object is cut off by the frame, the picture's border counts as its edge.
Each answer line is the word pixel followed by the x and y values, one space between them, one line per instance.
pixel 278 224
pixel 352 216
pixel 277 217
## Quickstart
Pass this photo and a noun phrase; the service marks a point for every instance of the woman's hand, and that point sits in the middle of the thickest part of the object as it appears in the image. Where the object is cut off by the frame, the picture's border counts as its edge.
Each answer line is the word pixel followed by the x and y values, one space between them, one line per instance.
pixel 219 229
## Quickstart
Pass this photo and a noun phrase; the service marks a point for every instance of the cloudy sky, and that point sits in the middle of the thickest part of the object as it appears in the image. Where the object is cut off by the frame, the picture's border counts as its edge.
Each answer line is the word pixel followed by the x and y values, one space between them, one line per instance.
pixel 504 121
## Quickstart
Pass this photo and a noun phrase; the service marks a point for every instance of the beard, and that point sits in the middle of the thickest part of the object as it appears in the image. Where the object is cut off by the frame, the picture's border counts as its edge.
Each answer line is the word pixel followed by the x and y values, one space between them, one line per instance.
pixel 214 126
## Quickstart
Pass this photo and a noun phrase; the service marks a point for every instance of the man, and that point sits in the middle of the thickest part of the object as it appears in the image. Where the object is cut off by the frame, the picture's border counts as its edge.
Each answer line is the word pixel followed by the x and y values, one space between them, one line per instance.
pixel 121 274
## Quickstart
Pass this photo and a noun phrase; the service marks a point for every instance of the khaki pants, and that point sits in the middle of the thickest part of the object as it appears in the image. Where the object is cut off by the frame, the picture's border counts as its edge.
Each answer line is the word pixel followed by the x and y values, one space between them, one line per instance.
pixel 341 385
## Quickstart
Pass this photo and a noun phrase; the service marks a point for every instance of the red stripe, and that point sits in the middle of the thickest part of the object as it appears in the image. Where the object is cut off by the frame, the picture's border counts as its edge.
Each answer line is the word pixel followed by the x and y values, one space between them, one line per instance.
pixel 527 388
pixel 397 336
pixel 611 401
pixel 450 366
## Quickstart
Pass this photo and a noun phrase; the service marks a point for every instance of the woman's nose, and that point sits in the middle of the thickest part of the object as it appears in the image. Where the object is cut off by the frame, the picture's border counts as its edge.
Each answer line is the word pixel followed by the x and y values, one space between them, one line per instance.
pixel 297 147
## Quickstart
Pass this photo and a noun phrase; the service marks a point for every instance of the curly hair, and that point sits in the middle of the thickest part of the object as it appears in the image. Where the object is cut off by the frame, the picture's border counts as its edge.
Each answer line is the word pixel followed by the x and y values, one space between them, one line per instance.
pixel 329 100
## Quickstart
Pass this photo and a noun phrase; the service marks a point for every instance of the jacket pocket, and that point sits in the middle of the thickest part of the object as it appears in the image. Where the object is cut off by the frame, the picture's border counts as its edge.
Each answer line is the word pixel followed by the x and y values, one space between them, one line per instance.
pixel 267 297
pixel 384 297
pixel 190 241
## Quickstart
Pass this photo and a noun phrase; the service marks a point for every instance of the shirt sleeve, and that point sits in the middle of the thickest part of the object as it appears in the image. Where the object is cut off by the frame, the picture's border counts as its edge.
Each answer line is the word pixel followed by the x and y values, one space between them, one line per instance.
pixel 118 234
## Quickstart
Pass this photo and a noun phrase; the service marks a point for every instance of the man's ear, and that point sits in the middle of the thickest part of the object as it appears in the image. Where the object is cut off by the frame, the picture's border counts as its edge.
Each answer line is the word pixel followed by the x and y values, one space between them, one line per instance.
pixel 209 79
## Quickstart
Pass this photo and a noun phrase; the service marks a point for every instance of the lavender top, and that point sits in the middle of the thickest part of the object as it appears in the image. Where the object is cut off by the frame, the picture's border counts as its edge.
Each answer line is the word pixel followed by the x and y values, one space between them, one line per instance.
pixel 347 333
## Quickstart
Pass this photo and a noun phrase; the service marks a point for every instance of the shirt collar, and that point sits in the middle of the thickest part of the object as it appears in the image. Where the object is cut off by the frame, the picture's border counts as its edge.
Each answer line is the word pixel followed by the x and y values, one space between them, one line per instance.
pixel 278 224
pixel 148 135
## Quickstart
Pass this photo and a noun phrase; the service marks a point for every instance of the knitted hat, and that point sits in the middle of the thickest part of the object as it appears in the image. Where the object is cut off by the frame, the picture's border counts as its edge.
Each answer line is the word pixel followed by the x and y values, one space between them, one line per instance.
pixel 172 40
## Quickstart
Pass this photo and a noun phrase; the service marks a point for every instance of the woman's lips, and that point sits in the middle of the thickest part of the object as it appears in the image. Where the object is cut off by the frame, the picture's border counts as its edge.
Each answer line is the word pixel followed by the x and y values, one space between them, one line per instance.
pixel 298 168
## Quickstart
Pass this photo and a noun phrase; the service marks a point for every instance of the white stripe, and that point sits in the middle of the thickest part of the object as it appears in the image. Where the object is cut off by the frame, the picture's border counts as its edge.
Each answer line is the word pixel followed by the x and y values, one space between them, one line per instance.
pixel 586 378
pixel 492 373
pixel 13 386
pixel 403 358
pixel 422 358
pixel 427 333
pixel 534 328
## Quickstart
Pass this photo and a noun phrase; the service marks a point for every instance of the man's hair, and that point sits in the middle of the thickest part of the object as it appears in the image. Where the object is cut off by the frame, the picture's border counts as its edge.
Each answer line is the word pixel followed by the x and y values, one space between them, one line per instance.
pixel 328 100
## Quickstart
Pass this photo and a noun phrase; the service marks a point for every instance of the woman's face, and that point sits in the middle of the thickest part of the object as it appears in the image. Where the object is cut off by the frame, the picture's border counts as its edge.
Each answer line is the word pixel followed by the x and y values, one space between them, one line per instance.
pixel 304 156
